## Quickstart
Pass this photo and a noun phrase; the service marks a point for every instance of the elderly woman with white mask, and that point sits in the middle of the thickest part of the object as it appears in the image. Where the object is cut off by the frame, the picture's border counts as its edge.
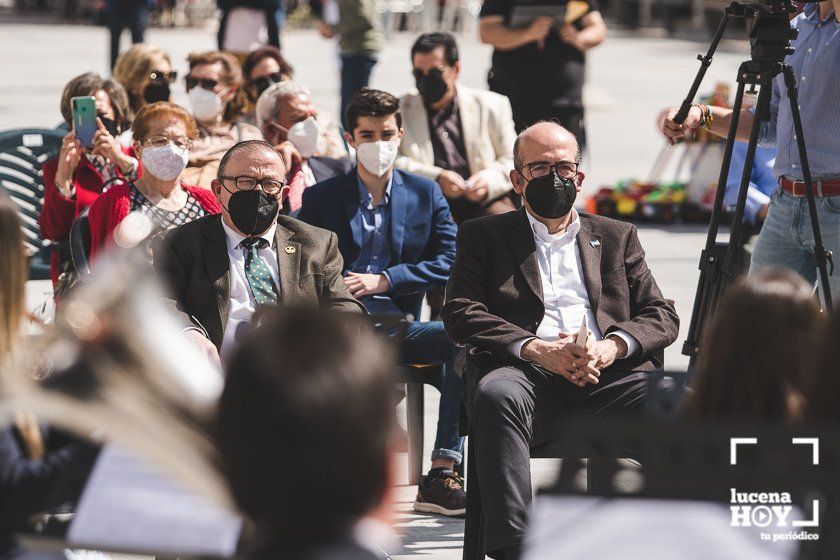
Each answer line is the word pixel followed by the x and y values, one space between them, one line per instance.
pixel 218 101
pixel 163 136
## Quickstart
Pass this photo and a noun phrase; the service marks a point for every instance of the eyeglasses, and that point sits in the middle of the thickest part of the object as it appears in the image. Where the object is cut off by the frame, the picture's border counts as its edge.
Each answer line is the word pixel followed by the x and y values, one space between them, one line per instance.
pixel 159 141
pixel 246 183
pixel 163 77
pixel 206 83
pixel 437 70
pixel 565 169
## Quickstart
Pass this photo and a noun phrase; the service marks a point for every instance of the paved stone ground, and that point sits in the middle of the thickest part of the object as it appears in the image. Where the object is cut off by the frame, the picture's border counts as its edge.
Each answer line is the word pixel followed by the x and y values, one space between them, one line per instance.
pixel 630 79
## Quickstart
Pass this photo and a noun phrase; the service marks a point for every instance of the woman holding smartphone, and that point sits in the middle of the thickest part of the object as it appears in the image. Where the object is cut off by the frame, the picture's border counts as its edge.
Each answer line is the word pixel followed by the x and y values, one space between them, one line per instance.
pixel 163 135
pixel 79 174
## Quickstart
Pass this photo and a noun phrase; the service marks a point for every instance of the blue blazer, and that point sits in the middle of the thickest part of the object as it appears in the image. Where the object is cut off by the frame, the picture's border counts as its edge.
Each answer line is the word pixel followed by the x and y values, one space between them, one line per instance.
pixel 422 230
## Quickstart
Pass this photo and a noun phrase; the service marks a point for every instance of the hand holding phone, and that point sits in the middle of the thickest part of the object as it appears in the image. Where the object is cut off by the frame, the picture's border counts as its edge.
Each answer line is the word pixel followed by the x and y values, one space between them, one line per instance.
pixel 84 119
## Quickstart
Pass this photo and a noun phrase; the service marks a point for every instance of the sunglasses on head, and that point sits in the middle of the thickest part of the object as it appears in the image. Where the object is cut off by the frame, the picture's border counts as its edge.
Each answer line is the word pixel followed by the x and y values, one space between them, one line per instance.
pixel 205 83
pixel 163 77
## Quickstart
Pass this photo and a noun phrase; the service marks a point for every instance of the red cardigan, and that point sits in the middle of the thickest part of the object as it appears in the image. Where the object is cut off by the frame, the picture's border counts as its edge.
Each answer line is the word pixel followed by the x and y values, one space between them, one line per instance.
pixel 58 212
pixel 112 207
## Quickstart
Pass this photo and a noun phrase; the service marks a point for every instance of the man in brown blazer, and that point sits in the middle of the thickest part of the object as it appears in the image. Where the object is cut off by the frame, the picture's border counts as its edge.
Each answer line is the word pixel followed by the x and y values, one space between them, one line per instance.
pixel 222 269
pixel 521 286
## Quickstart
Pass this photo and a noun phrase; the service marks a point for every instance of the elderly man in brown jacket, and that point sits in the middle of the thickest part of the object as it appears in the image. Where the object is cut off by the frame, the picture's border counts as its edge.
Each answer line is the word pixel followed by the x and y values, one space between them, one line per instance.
pixel 522 286
pixel 220 270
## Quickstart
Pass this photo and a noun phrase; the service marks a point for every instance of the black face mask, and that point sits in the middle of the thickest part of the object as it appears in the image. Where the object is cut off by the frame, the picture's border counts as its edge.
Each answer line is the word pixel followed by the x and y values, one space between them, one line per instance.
pixel 551 196
pixel 252 212
pixel 155 92
pixel 111 125
pixel 432 86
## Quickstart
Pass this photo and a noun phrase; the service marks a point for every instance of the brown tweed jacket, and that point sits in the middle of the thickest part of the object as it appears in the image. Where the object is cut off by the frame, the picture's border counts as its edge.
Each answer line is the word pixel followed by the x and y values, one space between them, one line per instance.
pixel 494 295
pixel 192 261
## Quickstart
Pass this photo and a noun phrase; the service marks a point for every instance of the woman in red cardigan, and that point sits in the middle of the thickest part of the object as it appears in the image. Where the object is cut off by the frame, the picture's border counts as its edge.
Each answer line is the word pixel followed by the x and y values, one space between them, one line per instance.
pixel 77 176
pixel 163 133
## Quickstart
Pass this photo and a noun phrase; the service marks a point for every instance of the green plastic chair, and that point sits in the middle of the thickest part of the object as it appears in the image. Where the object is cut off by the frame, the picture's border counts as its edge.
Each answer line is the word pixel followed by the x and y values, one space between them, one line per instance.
pixel 22 153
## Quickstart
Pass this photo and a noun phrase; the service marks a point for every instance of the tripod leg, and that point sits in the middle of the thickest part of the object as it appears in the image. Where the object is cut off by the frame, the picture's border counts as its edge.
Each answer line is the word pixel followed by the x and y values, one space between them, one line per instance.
pixel 712 278
pixel 705 62
pixel 714 224
pixel 820 254
pixel 762 108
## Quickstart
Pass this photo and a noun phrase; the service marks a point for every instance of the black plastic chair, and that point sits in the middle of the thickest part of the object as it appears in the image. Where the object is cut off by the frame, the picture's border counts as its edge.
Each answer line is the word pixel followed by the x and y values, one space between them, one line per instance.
pixel 22 153
pixel 80 244
pixel 413 377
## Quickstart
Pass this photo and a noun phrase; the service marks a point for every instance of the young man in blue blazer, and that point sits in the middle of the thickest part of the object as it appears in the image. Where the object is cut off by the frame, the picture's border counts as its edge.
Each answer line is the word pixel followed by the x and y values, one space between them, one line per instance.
pixel 397 239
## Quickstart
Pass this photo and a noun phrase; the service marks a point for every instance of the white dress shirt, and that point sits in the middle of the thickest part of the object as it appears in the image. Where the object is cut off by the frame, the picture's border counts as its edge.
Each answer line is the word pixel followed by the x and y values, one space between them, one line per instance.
pixel 308 175
pixel 242 305
pixel 564 290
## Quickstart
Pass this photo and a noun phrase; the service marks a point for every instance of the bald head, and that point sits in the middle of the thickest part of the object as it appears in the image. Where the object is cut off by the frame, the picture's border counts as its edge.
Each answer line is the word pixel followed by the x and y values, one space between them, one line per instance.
pixel 540 140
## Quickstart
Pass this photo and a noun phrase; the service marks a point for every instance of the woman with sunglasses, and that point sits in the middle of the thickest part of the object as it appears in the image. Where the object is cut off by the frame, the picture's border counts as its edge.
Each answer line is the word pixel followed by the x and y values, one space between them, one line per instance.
pixel 261 69
pixel 217 97
pixel 145 71
pixel 163 135
pixel 78 174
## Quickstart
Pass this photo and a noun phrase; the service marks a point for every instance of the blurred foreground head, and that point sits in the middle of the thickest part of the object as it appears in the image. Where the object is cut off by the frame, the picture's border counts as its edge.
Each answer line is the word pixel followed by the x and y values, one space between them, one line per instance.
pixel 759 350
pixel 825 382
pixel 305 425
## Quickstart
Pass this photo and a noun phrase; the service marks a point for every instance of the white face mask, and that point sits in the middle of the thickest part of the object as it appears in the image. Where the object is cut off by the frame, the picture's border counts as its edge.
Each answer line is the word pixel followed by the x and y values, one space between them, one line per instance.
pixel 305 136
pixel 165 162
pixel 377 157
pixel 205 104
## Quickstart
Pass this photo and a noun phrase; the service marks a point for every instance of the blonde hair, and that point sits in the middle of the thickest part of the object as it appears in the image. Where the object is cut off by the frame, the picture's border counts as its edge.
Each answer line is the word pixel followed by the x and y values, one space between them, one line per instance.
pixel 13 275
pixel 133 68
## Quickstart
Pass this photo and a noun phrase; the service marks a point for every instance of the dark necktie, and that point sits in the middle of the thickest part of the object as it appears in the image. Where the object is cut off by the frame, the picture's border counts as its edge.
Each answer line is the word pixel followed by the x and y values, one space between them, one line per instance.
pixel 257 273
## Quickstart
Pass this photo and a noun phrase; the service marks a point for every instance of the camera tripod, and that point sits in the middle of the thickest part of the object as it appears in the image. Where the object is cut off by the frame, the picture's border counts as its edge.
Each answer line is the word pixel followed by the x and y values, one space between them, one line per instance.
pixel 770 37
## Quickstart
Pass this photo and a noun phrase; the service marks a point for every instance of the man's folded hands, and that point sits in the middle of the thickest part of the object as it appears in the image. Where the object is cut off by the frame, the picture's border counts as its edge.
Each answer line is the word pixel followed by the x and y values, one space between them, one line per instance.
pixel 578 364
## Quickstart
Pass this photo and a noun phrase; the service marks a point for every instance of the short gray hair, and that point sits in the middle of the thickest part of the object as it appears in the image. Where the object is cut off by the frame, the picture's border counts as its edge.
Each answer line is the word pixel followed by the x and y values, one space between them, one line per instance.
pixel 267 103
pixel 517 157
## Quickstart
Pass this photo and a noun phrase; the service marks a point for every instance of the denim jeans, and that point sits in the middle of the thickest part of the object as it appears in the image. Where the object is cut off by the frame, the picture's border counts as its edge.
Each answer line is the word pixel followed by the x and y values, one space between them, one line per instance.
pixel 427 343
pixel 787 240
pixel 355 74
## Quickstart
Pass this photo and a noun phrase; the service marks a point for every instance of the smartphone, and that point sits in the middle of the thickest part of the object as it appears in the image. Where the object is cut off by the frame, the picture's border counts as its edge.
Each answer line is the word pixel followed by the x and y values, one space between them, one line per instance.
pixel 84 119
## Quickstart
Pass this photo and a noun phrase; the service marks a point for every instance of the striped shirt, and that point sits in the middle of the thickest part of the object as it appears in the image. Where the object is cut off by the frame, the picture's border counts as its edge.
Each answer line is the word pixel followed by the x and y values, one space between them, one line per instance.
pixel 816 66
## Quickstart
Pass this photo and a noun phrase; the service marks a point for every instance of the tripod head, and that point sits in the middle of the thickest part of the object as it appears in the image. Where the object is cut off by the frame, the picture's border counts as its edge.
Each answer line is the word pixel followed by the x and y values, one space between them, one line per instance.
pixel 769 27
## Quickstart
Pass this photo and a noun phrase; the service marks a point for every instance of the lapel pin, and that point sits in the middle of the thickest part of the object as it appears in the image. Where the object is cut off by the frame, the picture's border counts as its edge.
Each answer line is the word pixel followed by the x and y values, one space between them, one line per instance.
pixel 290 249
pixel 595 243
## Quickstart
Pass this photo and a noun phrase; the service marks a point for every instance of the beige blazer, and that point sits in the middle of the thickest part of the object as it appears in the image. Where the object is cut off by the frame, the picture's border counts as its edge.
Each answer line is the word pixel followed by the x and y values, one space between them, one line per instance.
pixel 487 125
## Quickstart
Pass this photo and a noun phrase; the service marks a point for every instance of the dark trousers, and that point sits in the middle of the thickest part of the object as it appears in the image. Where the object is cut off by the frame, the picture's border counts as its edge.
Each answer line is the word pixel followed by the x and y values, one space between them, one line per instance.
pixel 355 74
pixel 526 113
pixel 134 16
pixel 516 409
